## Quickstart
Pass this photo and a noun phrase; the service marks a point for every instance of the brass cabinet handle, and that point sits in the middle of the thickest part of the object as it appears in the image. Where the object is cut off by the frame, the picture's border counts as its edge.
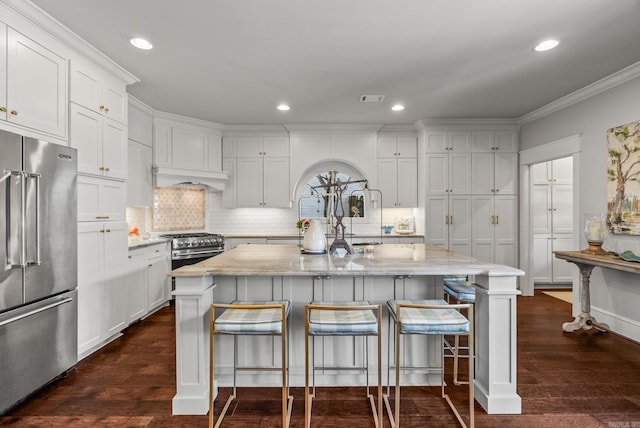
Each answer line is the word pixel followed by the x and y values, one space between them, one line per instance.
pixel 3 109
pixel 107 169
pixel 101 168
pixel 102 217
pixel 106 109
pixel 108 230
pixel 493 219
pixel 101 107
pixel 497 219
pixel 101 230
pixel 14 112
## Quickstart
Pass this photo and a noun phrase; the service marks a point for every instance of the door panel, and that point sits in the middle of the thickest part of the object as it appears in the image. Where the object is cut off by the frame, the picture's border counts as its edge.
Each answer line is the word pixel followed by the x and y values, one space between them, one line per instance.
pixel 51 218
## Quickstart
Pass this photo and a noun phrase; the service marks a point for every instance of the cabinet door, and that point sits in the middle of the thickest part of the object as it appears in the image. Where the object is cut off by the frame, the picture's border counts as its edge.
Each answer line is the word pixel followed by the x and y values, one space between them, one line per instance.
pixel 90 292
pixel 136 285
pixel 139 176
pixel 249 182
pixel 562 270
pixel 388 181
pixel 248 147
pixel 407 182
pixel 275 147
pixel 506 173
pixel 86 136
pixel 229 194
pixel 215 152
pixel 190 149
pixel 157 269
pixel 387 147
pixel 114 149
pixel 483 168
pixel 459 173
pixel 276 183
pixel 482 227
pixel 36 85
pixel 436 142
pixel 562 170
pixel 100 199
pixel 541 269
pixel 437 166
pixel 115 262
pixel 407 147
pixel 459 141
pixel 3 71
pixel 460 224
pixel 562 203
pixel 506 141
pixel 541 211
pixel 482 141
pixel 162 143
pixel 114 100
pixel 140 126
pixel 437 221
pixel 506 230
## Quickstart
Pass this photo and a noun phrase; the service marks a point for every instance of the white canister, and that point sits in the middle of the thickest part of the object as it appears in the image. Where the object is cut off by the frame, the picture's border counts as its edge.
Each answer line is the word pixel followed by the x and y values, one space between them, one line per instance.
pixel 314 240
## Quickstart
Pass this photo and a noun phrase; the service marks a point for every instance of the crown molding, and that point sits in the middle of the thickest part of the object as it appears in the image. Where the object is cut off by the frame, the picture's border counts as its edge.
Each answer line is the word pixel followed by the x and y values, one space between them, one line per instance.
pixel 57 30
pixel 136 103
pixel 479 124
pixel 609 82
pixel 334 127
pixel 159 116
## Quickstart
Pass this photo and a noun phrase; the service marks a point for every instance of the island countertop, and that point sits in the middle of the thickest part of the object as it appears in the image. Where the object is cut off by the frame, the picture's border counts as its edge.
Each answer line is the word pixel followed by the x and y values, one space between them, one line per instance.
pixel 376 260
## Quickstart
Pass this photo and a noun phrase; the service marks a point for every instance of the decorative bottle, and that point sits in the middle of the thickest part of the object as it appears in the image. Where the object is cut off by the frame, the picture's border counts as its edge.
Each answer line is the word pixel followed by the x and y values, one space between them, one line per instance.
pixel 314 240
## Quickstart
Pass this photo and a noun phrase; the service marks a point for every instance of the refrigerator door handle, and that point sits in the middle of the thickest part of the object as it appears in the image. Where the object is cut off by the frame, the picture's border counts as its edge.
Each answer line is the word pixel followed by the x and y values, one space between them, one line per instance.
pixel 38 259
pixel 35 311
pixel 11 263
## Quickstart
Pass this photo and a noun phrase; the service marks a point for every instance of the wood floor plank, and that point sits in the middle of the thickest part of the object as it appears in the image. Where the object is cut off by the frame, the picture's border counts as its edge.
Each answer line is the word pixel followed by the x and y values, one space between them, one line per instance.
pixel 581 379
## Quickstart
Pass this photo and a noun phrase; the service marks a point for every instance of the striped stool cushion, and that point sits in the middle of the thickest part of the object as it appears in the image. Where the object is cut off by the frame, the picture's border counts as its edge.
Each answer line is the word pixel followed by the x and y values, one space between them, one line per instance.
pixel 325 322
pixel 429 321
pixel 252 321
pixel 462 291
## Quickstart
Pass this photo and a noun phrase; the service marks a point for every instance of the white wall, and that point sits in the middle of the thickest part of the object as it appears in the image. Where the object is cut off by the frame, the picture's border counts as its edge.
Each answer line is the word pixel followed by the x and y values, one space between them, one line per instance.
pixel 615 296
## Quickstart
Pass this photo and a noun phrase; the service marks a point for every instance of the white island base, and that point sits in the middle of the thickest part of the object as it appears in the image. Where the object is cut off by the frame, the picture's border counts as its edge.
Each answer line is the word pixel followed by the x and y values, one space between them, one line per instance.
pixel 258 273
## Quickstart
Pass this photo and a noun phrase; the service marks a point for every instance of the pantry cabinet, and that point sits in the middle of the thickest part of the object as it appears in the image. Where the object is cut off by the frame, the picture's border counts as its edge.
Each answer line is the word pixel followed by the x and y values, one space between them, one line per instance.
pixel 448 222
pixel 101 275
pixel 101 143
pixel 552 220
pixel 33 84
pixel 448 173
pixel 494 228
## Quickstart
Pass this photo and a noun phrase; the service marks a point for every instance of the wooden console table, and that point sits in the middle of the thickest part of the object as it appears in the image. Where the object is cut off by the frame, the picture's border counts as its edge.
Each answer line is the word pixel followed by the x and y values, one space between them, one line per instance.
pixel 586 263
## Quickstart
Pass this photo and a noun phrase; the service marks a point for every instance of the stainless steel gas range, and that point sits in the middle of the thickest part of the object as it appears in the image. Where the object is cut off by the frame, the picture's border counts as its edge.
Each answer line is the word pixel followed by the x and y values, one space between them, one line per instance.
pixel 191 248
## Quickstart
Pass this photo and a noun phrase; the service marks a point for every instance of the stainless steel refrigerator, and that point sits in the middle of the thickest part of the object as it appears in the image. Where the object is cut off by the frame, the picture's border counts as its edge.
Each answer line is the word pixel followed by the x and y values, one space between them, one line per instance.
pixel 38 264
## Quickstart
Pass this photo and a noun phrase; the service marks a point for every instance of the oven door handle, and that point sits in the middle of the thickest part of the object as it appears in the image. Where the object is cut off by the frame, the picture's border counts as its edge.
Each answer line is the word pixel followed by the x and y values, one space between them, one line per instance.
pixel 198 253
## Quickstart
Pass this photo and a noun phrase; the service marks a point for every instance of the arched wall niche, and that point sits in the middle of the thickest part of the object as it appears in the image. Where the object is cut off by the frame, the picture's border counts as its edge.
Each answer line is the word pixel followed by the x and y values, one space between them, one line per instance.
pixel 302 186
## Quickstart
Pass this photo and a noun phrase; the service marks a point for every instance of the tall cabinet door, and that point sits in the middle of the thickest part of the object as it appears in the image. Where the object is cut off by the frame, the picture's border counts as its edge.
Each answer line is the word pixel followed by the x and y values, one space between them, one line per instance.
pixel 115 262
pixel 506 230
pixel 3 71
pixel 249 182
pixel 460 224
pixel 437 220
pixel 36 82
pixel 407 182
pixel 90 292
pixel 483 227
pixel 276 182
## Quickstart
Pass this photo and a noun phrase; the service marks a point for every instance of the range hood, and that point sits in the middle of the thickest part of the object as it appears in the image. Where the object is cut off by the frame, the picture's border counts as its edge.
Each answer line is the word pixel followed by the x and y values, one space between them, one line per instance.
pixel 168 177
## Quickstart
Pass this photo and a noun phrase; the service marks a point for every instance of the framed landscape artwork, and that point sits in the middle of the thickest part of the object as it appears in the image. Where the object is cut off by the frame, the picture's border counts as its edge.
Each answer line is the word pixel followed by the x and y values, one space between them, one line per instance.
pixel 623 187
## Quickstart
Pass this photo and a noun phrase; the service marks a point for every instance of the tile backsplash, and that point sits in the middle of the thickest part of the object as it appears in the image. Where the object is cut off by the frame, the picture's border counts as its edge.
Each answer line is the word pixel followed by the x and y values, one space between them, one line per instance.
pixel 178 208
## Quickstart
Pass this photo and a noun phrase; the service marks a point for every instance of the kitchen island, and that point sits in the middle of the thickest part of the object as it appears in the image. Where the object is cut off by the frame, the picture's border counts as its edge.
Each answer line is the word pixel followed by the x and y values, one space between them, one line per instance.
pixel 376 273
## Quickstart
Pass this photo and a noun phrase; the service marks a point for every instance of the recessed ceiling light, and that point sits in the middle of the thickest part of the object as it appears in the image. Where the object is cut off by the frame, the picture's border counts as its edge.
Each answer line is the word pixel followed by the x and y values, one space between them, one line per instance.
pixel 141 43
pixel 397 107
pixel 283 107
pixel 546 45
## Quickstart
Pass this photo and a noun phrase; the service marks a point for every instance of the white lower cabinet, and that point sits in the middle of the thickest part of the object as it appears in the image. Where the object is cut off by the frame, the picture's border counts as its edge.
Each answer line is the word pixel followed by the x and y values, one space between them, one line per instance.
pixel 448 220
pixel 547 269
pixel 147 283
pixel 101 273
pixel 136 285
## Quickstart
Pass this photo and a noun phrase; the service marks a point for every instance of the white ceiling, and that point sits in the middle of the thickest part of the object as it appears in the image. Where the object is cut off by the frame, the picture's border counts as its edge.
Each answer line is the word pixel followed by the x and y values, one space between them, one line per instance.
pixel 233 61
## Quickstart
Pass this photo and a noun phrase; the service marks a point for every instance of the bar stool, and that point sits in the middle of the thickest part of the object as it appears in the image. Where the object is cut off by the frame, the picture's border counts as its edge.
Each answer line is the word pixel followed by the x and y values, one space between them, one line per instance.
pixel 356 318
pixel 431 317
pixel 251 318
pixel 461 291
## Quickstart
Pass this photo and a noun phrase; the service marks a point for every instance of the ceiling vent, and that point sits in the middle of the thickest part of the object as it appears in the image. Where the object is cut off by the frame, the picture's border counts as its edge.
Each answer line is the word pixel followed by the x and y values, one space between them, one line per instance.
pixel 371 98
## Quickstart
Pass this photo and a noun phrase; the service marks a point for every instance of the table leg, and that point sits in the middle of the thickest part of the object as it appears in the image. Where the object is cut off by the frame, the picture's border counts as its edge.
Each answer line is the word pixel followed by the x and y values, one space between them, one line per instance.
pixel 584 320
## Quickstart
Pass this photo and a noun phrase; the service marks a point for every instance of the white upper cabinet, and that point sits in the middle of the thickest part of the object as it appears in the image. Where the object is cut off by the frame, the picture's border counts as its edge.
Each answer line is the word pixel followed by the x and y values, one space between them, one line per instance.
pixel 101 143
pixel 489 141
pixel 97 91
pixel 259 167
pixel 398 171
pixel 186 147
pixel 494 172
pixel 447 141
pixel 448 173
pixel 139 176
pixel 33 84
pixel 140 124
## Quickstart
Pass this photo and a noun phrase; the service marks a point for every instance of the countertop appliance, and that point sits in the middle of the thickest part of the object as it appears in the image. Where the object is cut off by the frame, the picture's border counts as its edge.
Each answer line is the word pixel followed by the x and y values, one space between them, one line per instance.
pixel 191 248
pixel 38 259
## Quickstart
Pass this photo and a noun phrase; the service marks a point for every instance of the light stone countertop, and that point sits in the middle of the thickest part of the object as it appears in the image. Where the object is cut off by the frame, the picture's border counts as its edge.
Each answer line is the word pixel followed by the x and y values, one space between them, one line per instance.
pixel 296 235
pixel 372 260
pixel 137 243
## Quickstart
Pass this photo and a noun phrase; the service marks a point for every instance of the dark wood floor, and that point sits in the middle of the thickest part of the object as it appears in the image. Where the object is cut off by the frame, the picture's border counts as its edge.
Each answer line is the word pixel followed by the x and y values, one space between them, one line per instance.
pixel 583 379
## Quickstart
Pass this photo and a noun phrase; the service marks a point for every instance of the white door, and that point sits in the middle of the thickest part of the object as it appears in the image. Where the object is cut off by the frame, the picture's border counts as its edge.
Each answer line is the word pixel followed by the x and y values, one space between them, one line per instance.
pixel 136 285
pixel 115 250
pixel 90 290
pixel 407 182
pixel 249 182
pixel 506 230
pixel 460 224
pixel 482 226
pixel 276 183
pixel 437 166
pixel 114 149
pixel 388 181
pixel 86 136
pixel 437 220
